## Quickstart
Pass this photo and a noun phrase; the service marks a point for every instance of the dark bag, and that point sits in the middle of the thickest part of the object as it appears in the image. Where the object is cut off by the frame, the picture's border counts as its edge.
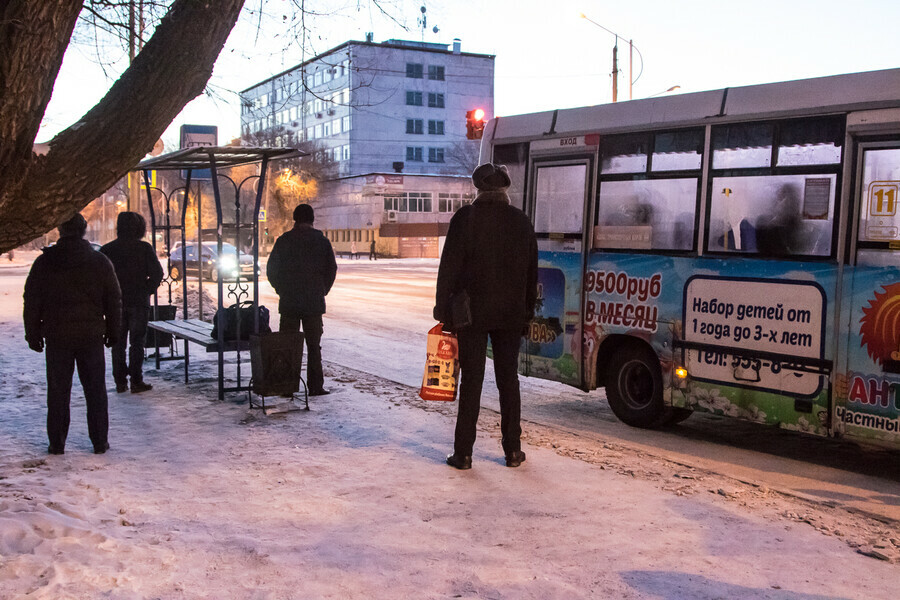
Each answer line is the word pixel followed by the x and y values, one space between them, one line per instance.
pixel 460 310
pixel 227 320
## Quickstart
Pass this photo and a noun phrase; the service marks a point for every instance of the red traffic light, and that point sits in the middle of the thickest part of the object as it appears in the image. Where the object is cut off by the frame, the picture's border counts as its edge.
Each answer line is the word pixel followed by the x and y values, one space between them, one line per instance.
pixel 475 124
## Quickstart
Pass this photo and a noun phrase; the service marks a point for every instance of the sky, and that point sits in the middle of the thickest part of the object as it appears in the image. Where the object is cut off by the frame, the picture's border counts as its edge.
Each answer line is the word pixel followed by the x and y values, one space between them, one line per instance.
pixel 547 56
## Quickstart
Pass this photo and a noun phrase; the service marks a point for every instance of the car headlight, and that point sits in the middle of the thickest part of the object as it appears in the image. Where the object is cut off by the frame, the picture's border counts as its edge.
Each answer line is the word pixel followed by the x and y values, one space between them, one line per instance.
pixel 228 262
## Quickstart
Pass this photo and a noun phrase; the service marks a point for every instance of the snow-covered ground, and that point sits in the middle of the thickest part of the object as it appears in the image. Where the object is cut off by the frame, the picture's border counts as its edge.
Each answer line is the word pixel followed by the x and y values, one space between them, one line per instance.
pixel 205 499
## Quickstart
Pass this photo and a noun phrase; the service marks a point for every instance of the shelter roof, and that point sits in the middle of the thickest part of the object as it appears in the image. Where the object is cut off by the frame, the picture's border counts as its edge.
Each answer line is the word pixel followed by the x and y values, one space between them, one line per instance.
pixel 201 157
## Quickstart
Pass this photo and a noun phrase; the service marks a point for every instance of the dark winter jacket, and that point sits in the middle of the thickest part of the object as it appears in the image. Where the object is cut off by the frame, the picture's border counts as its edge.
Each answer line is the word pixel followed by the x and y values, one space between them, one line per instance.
pixel 137 269
pixel 491 252
pixel 72 296
pixel 302 269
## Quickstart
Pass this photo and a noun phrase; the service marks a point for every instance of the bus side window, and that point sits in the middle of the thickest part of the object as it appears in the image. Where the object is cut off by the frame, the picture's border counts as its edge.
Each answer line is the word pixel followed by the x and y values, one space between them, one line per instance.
pixel 646 214
pixel 777 215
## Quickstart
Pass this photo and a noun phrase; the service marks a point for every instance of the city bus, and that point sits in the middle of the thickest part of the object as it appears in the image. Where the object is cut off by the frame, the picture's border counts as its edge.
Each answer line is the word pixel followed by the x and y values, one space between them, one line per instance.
pixel 734 251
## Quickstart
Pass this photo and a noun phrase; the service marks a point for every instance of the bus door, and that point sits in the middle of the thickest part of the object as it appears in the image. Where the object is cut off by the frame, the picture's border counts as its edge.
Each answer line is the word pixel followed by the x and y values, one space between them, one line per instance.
pixel 868 391
pixel 560 189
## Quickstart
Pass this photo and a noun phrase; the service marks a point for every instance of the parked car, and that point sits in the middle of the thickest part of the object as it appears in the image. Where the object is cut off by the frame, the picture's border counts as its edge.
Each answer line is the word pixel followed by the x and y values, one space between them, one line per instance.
pixel 208 263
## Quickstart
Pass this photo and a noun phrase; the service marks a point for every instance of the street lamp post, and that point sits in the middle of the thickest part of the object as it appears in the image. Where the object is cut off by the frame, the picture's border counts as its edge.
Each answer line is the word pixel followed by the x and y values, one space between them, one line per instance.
pixel 615 70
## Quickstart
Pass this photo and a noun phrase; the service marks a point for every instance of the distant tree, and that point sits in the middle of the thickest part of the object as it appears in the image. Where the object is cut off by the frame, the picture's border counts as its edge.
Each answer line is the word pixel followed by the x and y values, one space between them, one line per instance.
pixel 463 155
pixel 38 191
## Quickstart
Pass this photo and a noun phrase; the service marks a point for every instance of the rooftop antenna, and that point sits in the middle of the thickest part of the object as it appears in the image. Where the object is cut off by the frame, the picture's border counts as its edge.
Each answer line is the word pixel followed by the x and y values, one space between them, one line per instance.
pixel 423 21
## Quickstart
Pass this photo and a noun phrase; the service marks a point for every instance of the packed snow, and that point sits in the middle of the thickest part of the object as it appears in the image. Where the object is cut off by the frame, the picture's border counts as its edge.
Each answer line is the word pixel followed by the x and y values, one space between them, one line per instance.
pixel 199 498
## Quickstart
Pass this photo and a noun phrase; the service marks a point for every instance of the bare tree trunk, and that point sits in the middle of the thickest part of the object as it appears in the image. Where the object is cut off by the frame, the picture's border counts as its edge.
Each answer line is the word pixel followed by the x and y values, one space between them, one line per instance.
pixel 39 192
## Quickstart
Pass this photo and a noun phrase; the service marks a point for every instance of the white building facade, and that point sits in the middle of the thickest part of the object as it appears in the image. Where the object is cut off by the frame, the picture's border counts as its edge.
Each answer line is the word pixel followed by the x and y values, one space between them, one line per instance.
pixel 379 112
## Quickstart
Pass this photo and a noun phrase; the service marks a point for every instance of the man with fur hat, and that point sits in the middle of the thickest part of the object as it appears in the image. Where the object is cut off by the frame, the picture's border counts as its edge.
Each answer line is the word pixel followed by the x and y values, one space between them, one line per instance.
pixel 139 274
pixel 301 269
pixel 73 305
pixel 491 255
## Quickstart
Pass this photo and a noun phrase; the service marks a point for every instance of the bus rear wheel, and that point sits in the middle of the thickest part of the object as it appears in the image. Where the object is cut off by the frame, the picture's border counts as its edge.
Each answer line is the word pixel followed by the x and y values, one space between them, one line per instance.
pixel 634 389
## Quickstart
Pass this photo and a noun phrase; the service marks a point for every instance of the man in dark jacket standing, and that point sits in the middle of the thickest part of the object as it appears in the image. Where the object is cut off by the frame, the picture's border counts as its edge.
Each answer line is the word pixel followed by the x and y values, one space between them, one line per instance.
pixel 491 254
pixel 73 303
pixel 139 274
pixel 301 269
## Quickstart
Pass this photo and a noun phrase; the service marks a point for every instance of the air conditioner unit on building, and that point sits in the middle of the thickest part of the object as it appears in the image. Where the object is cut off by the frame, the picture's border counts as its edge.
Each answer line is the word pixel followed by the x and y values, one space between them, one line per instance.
pixel 318 115
pixel 330 111
pixel 392 216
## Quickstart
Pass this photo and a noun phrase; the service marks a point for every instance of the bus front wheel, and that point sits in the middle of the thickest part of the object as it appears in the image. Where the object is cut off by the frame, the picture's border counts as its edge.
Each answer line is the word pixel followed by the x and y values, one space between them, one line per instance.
pixel 634 389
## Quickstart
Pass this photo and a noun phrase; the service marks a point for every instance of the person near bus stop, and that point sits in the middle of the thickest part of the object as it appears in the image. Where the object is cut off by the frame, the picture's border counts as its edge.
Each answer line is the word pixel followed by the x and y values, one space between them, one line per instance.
pixel 72 307
pixel 302 269
pixel 491 254
pixel 139 274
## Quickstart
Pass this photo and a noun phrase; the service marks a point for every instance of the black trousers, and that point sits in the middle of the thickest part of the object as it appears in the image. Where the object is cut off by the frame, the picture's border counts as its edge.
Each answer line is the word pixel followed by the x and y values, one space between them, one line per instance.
pixel 472 355
pixel 312 335
pixel 91 362
pixel 131 335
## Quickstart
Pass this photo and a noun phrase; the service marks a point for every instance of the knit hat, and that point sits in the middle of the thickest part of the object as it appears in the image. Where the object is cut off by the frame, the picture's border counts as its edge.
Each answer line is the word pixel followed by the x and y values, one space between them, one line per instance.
pixel 489 177
pixel 131 225
pixel 76 226
pixel 304 214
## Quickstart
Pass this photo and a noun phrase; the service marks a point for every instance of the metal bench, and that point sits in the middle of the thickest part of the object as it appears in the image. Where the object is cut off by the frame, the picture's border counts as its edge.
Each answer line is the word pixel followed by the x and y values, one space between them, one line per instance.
pixel 198 332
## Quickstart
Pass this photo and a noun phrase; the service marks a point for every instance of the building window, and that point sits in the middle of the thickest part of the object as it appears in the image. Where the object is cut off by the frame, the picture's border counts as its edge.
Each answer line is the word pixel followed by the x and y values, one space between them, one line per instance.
pixel 414 154
pixel 317 132
pixel 414 70
pixel 419 201
pixel 435 127
pixel 435 100
pixel 414 98
pixel 414 126
pixel 309 134
pixel 395 202
pixel 345 152
pixel 345 123
pixel 450 203
pixel 436 155
pixel 318 78
pixel 435 72
pixel 326 128
pixel 408 202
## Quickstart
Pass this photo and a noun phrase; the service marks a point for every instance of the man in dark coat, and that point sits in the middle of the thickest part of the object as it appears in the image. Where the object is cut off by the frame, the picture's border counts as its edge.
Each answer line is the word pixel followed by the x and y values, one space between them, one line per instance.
pixel 73 304
pixel 491 254
pixel 139 274
pixel 301 269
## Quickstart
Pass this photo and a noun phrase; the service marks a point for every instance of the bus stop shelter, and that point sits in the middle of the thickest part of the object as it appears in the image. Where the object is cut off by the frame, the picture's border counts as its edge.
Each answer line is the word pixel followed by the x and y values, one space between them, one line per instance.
pixel 237 224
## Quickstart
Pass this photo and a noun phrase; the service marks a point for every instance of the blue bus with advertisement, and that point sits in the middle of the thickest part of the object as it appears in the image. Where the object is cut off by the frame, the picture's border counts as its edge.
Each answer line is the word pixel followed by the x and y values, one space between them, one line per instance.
pixel 733 251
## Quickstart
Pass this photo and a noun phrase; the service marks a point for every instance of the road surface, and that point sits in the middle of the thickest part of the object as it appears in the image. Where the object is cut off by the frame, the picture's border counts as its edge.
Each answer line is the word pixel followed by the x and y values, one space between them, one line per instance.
pixel 386 305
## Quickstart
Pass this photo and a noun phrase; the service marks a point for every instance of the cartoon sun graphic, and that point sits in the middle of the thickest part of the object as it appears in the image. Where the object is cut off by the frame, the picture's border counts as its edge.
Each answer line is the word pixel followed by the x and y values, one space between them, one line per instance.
pixel 880 325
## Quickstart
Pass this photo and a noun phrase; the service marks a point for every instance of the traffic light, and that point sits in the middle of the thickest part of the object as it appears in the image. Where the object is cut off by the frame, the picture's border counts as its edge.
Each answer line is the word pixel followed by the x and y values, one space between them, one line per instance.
pixel 474 124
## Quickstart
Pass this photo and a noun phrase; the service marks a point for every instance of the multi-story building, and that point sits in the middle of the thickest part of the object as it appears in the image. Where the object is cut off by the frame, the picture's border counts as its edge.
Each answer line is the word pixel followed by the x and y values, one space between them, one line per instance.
pixel 386 124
